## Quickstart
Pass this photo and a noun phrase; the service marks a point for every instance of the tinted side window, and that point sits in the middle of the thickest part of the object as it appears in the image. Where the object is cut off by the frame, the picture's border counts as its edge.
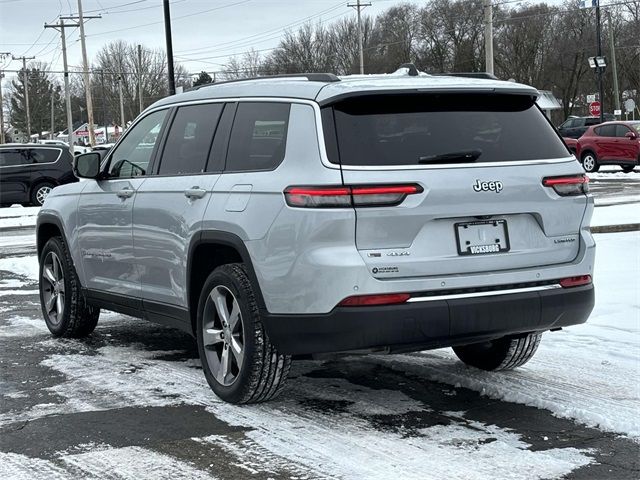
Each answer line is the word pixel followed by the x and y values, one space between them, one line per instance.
pixel 131 157
pixel 11 158
pixel 606 131
pixel 591 121
pixel 189 139
pixel 258 136
pixel 44 155
pixel 621 131
pixel 571 123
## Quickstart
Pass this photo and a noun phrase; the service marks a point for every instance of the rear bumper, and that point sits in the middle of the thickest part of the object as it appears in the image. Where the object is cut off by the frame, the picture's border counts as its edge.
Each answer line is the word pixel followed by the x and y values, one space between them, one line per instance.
pixel 430 324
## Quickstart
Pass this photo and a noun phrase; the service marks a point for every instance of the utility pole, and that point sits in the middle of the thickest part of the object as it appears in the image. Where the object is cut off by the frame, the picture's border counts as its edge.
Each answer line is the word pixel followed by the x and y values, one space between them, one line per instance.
pixel 87 80
pixel 359 6
pixel 121 102
pixel 104 109
pixel 67 90
pixel 53 94
pixel 3 55
pixel 616 92
pixel 167 33
pixel 25 82
pixel 600 70
pixel 488 35
pixel 140 78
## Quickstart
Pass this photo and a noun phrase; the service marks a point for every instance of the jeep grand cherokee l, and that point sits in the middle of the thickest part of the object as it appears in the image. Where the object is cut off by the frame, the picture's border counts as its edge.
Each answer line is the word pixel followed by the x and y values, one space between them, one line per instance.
pixel 300 215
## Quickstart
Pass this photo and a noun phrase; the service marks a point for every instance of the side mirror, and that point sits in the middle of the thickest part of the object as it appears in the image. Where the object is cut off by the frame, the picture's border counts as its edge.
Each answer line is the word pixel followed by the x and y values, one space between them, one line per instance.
pixel 631 135
pixel 87 165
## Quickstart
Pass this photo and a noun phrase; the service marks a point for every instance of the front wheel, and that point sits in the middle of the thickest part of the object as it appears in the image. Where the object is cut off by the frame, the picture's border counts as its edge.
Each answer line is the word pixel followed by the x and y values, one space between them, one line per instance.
pixel 628 168
pixel 590 162
pixel 64 308
pixel 239 361
pixel 504 353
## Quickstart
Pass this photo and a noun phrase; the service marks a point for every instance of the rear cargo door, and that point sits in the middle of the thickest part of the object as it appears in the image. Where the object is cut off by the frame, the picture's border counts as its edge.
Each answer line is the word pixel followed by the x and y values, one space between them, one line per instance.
pixel 476 163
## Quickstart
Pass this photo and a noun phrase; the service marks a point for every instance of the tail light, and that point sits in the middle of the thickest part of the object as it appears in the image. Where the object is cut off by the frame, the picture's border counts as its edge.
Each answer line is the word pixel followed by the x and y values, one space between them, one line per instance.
pixel 368 300
pixel 568 185
pixel 348 196
pixel 575 281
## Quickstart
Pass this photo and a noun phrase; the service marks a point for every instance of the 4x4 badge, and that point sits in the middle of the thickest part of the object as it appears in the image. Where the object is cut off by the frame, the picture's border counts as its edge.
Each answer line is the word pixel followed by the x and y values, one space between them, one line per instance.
pixel 488 186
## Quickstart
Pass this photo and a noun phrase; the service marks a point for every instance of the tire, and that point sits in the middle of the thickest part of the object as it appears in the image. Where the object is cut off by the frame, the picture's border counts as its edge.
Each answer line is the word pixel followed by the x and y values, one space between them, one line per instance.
pixel 504 353
pixel 64 307
pixel 627 168
pixel 590 162
pixel 255 371
pixel 40 192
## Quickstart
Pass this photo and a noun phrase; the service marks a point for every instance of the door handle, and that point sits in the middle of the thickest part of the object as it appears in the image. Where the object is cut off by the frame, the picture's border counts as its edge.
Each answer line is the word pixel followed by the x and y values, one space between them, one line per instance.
pixel 125 193
pixel 195 192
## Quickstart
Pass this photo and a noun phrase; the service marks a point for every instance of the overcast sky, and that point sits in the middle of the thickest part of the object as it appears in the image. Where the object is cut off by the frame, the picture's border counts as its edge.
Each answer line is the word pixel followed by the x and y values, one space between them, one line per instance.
pixel 205 32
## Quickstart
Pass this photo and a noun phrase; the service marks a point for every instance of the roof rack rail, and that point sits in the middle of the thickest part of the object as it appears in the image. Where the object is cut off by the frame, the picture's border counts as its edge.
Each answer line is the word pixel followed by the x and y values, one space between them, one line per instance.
pixel 484 75
pixel 312 77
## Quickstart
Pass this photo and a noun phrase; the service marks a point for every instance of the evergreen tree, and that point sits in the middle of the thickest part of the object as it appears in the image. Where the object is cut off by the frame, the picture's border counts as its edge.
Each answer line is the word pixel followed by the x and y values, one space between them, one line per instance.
pixel 41 92
pixel 203 79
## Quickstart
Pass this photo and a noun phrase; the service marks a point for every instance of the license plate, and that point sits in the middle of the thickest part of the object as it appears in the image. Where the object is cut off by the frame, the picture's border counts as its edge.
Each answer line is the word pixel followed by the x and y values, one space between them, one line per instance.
pixel 482 237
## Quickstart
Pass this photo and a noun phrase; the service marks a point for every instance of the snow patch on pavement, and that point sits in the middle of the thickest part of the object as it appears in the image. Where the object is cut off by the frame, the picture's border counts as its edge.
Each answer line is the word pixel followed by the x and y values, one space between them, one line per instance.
pixel 23 327
pixel 26 266
pixel 128 463
pixel 616 215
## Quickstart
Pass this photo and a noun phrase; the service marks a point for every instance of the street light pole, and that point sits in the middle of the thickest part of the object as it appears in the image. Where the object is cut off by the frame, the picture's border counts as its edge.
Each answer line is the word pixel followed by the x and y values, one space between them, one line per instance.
pixel 600 70
pixel 488 35
pixel 167 33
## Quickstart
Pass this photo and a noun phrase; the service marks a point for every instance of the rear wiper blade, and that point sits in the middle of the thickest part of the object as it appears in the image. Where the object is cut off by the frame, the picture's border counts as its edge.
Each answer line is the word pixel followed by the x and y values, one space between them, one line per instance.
pixel 463 156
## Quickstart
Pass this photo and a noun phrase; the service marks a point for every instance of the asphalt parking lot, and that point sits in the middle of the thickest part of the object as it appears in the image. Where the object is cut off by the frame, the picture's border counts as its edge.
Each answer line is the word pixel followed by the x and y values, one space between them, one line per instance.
pixel 131 402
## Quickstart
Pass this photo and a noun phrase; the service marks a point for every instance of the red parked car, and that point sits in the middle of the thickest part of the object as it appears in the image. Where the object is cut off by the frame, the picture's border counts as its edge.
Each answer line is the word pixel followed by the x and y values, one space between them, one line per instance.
pixel 610 143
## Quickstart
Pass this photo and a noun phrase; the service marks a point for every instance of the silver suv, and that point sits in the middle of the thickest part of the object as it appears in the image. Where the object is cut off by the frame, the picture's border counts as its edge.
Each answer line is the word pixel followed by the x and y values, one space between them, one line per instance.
pixel 301 215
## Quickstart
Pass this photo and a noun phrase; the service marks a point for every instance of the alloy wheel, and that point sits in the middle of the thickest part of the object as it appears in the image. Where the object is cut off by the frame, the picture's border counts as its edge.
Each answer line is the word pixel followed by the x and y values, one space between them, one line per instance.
pixel 53 288
pixel 223 335
pixel 589 163
pixel 41 194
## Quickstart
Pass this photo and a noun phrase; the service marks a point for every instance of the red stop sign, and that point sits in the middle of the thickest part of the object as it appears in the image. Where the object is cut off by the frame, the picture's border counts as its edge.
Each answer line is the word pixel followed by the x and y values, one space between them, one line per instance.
pixel 594 109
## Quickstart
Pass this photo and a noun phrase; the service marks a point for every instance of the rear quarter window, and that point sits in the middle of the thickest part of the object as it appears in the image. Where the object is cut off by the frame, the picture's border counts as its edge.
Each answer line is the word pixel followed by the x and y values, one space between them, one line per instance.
pixel 428 128
pixel 45 155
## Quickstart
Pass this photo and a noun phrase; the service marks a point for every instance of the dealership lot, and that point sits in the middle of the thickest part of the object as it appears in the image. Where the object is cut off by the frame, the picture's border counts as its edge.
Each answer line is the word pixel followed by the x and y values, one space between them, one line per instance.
pixel 131 400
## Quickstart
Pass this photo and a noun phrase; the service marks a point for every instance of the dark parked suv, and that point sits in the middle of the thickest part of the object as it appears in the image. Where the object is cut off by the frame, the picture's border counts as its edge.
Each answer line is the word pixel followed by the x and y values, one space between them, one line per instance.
pixel 574 127
pixel 29 172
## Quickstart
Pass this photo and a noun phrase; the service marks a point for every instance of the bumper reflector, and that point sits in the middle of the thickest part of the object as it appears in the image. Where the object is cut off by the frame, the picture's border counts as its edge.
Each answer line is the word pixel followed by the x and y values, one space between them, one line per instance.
pixel 575 281
pixel 367 300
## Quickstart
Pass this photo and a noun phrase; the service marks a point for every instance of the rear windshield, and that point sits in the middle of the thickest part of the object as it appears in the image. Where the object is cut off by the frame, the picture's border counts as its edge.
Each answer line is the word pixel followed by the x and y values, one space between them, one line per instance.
pixel 438 129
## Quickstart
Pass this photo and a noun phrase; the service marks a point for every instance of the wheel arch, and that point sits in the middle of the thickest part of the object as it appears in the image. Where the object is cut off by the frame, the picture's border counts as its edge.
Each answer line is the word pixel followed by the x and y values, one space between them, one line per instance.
pixel 208 250
pixel 48 226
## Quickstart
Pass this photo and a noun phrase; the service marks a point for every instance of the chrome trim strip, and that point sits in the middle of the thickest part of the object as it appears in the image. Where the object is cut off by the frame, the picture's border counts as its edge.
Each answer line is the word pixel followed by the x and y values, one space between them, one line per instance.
pixel 455 296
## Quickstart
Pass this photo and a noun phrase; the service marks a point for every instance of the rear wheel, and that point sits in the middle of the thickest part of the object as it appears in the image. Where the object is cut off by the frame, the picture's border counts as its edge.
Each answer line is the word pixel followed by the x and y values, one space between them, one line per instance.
pixel 590 162
pixel 64 308
pixel 628 168
pixel 40 192
pixel 504 353
pixel 239 361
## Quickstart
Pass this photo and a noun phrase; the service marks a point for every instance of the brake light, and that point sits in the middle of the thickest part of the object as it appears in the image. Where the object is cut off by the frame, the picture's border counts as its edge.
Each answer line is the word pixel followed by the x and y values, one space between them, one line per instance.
pixel 575 281
pixel 568 185
pixel 368 300
pixel 347 196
